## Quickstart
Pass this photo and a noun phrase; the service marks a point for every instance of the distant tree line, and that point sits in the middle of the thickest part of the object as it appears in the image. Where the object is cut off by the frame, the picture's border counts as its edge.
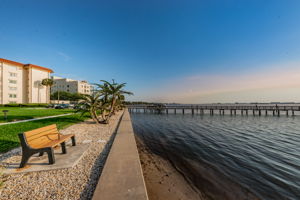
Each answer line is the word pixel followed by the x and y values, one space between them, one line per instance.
pixel 136 102
pixel 62 95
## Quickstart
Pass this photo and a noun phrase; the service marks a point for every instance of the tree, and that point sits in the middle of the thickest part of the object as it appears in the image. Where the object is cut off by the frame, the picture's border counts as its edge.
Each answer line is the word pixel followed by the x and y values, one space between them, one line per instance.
pixel 102 104
pixel 112 92
pixel 93 105
pixel 120 102
pixel 89 104
pixel 38 84
pixel 66 96
pixel 48 82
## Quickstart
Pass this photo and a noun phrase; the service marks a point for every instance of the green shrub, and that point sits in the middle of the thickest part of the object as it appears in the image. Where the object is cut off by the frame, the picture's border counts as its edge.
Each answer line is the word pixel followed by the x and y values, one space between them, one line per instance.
pixel 12 105
pixel 35 105
pixel 26 105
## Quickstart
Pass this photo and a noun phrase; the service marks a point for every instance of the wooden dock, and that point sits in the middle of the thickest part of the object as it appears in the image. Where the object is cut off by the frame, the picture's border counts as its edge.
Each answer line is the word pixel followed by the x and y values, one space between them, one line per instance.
pixel 221 109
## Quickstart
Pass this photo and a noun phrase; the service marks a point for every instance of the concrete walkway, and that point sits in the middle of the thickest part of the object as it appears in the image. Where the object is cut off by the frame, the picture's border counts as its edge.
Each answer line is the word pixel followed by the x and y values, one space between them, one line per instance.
pixel 40 118
pixel 122 176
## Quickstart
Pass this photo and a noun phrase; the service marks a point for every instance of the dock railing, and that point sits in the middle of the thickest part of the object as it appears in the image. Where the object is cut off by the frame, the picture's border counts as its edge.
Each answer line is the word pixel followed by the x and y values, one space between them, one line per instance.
pixel 257 109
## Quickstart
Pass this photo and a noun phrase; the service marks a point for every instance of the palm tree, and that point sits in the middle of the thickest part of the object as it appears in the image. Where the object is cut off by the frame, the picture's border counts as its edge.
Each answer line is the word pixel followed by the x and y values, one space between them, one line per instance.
pixel 90 104
pixel 103 109
pixel 38 84
pixel 113 91
pixel 108 98
pixel 120 102
pixel 48 82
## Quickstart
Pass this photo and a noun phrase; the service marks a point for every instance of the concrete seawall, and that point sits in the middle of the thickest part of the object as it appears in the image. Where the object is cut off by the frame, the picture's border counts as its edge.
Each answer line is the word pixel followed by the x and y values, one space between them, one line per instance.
pixel 122 176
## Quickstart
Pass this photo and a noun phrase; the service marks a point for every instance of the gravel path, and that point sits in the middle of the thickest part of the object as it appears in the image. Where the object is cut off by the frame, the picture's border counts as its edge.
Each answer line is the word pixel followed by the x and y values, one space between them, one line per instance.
pixel 78 182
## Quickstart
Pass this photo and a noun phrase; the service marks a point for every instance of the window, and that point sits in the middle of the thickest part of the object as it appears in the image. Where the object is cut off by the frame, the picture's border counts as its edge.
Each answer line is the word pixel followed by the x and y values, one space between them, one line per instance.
pixel 12 88
pixel 11 74
pixel 12 81
pixel 12 96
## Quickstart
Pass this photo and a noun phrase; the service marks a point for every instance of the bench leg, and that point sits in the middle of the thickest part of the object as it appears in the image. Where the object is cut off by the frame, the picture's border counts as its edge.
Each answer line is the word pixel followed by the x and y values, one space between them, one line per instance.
pixel 51 158
pixel 73 141
pixel 63 147
pixel 41 153
pixel 25 158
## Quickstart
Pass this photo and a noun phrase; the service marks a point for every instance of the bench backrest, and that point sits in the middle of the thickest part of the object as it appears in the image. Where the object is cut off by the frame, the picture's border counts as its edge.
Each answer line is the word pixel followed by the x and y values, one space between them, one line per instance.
pixel 41 136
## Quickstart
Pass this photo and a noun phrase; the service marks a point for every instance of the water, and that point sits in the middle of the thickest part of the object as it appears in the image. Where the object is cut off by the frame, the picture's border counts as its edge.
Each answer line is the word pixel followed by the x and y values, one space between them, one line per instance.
pixel 228 157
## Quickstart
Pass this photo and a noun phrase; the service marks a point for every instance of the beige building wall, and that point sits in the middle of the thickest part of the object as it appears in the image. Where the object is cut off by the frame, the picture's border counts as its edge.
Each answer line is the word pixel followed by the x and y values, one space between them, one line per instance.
pixel 39 92
pixel 11 84
pixel 18 83
pixel 72 86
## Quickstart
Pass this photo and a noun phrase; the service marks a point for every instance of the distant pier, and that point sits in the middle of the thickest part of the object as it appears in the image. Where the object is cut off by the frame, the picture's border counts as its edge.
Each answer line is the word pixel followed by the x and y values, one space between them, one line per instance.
pixel 221 109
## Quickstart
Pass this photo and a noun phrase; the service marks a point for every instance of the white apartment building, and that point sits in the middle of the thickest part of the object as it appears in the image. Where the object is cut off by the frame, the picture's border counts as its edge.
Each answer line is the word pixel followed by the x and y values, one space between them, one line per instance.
pixel 21 83
pixel 72 86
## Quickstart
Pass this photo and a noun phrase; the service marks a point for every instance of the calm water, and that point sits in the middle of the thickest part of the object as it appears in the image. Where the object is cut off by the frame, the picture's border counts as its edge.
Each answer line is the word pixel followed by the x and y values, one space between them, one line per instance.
pixel 229 157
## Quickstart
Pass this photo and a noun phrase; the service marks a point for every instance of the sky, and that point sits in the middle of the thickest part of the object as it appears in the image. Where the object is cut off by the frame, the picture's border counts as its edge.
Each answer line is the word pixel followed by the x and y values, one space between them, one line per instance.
pixel 181 51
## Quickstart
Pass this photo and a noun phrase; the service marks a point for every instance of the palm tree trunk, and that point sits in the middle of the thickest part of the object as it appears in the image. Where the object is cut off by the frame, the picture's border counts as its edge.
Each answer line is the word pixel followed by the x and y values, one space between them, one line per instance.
pixel 47 94
pixel 96 116
pixel 105 117
pixel 112 106
pixel 57 96
pixel 93 117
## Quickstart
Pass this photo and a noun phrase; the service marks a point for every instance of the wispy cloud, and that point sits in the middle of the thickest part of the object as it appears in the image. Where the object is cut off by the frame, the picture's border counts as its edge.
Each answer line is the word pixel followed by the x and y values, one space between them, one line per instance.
pixel 64 56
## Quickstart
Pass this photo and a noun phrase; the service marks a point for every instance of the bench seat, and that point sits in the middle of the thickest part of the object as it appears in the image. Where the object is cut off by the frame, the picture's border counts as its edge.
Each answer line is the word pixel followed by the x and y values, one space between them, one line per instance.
pixel 53 143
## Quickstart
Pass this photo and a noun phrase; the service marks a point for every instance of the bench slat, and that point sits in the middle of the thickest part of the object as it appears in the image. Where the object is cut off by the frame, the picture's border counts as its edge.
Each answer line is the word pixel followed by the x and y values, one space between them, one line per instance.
pixel 40 142
pixel 54 142
pixel 47 136
pixel 39 130
pixel 42 135
pixel 50 134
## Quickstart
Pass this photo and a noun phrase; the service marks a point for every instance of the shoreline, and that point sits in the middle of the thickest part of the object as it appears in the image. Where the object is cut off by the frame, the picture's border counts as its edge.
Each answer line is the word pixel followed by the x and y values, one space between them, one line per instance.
pixel 162 180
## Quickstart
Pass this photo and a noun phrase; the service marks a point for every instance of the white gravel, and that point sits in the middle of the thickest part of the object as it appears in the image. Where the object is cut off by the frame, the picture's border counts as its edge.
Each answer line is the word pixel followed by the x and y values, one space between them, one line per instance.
pixel 78 182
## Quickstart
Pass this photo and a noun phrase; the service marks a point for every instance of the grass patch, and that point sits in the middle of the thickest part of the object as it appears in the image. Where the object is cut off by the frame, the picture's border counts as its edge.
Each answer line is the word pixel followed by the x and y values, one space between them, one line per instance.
pixel 17 113
pixel 9 133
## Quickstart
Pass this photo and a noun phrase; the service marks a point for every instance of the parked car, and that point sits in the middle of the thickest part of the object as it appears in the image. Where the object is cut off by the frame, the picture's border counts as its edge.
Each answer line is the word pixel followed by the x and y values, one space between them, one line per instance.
pixel 61 106
pixel 78 106
pixel 50 106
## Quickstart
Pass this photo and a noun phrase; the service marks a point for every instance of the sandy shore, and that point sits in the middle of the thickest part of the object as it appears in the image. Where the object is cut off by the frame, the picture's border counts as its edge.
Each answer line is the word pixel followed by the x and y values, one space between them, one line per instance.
pixel 162 180
pixel 78 182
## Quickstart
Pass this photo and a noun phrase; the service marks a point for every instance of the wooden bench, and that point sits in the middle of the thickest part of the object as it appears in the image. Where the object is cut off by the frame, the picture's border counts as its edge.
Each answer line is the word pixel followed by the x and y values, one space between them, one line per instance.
pixel 43 140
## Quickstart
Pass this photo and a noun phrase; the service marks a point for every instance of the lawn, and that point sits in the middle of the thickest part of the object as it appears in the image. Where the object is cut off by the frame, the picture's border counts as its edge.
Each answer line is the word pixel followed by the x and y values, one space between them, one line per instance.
pixel 9 133
pixel 17 113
